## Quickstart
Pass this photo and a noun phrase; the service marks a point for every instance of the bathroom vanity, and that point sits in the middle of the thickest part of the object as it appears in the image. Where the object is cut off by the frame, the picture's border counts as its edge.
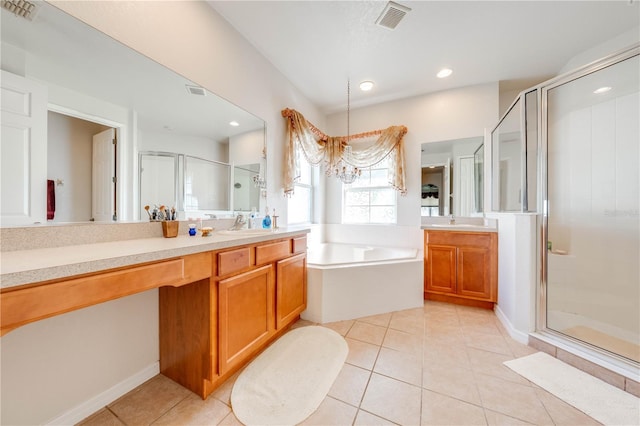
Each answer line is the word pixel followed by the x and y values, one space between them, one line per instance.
pixel 461 265
pixel 222 299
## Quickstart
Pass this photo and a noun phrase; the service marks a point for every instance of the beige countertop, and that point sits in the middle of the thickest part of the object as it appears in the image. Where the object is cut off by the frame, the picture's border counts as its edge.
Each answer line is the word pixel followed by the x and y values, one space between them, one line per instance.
pixel 30 266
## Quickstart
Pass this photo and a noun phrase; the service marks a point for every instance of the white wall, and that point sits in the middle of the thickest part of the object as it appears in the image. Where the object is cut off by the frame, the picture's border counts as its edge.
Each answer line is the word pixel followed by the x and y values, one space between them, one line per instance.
pixel 69 159
pixel 182 144
pixel 452 114
pixel 53 368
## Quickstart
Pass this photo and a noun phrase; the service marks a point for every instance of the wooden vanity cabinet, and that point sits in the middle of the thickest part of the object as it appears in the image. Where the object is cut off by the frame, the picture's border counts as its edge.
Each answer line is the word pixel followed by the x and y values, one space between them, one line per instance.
pixel 211 329
pixel 461 267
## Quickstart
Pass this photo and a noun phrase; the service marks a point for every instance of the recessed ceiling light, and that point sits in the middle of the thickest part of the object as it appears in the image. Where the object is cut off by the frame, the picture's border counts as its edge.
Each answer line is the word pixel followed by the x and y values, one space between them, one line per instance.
pixel 444 72
pixel 365 86
pixel 602 90
pixel 234 123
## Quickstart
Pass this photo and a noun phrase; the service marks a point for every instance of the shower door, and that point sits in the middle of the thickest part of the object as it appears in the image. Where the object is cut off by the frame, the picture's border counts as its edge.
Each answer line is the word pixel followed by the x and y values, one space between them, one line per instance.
pixel 592 207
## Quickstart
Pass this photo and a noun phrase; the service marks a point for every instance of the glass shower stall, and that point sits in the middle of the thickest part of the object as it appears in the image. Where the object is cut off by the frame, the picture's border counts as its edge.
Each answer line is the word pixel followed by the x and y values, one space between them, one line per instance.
pixel 568 151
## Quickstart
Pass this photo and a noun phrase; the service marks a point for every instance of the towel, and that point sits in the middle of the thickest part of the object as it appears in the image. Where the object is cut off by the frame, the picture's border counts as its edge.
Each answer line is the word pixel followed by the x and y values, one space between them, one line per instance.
pixel 51 199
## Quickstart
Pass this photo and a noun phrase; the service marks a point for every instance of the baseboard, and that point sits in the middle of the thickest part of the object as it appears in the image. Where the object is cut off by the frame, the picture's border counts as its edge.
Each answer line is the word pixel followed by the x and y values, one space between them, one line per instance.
pixel 516 335
pixel 101 400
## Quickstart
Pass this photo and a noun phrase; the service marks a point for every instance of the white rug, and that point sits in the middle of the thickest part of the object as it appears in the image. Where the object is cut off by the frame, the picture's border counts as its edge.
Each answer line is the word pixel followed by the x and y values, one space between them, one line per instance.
pixel 287 382
pixel 600 400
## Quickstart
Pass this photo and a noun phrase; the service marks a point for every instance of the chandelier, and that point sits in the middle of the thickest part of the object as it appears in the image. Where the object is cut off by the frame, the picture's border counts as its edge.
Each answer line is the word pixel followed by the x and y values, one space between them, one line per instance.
pixel 259 181
pixel 346 171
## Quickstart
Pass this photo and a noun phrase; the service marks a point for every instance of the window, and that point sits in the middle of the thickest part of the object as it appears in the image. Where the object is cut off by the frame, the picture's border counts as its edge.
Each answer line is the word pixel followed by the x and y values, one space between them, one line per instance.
pixel 299 206
pixel 370 199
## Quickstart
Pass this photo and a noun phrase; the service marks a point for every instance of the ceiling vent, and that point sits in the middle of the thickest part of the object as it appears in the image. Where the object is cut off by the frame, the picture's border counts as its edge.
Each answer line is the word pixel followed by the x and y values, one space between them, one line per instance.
pixel 196 90
pixel 22 8
pixel 392 15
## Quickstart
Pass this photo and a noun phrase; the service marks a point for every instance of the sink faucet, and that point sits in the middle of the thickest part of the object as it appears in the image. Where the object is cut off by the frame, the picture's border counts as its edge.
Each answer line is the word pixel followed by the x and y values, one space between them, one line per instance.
pixel 239 223
pixel 452 220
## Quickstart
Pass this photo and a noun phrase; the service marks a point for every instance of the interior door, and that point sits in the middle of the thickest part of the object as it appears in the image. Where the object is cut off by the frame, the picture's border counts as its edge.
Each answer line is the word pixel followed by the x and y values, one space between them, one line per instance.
pixel 23 151
pixel 103 182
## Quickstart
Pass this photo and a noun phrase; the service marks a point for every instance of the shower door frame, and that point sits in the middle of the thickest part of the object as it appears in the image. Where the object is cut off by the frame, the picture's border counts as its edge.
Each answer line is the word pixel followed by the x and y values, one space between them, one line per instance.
pixel 584 349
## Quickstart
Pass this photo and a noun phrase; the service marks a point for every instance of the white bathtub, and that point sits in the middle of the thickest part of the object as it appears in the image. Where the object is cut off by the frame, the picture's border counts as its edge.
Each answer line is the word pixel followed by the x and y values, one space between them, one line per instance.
pixel 347 281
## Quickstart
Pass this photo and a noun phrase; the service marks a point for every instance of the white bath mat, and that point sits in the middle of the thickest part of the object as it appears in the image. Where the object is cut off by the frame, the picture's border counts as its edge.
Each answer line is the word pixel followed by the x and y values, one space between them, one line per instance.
pixel 600 400
pixel 289 380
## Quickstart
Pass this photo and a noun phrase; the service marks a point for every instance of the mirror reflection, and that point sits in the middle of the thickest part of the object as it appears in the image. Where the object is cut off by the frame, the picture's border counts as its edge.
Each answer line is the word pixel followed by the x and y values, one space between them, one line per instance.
pixel 451 178
pixel 95 87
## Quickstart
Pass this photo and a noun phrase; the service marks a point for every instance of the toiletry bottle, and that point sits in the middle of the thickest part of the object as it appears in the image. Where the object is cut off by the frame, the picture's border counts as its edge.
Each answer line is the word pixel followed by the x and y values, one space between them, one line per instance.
pixel 266 222
pixel 252 218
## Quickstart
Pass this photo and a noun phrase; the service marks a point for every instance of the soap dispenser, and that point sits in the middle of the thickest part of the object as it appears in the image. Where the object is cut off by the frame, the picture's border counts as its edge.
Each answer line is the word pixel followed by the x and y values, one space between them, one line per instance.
pixel 266 222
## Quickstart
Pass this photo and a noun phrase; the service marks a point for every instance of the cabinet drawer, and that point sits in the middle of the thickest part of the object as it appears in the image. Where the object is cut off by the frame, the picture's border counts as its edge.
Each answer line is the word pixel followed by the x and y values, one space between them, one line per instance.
pixel 269 252
pixel 456 238
pixel 234 261
pixel 299 245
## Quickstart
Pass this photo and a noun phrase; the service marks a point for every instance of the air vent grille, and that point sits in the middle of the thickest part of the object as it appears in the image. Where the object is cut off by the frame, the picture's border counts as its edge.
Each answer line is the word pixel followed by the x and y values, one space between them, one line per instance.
pixel 196 90
pixel 22 8
pixel 392 15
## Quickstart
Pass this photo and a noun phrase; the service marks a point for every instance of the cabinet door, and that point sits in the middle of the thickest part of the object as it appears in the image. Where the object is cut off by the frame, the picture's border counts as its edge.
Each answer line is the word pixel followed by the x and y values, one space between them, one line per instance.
pixel 291 289
pixel 440 269
pixel 246 319
pixel 473 272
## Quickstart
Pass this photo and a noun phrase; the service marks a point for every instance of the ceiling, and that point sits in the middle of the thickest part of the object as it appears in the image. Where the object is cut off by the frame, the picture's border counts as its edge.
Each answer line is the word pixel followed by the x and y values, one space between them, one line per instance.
pixel 319 45
pixel 61 50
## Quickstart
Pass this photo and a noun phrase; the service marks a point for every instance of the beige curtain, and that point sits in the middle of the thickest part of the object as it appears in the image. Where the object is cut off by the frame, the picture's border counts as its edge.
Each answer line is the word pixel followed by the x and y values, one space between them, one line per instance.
pixel 329 151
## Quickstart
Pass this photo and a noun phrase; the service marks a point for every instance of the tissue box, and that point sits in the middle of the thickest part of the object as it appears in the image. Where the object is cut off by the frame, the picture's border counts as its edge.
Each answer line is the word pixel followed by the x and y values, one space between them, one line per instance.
pixel 170 228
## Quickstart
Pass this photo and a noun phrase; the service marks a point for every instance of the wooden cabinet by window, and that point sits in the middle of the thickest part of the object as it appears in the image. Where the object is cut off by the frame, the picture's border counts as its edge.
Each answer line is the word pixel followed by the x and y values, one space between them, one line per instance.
pixel 245 312
pixel 461 267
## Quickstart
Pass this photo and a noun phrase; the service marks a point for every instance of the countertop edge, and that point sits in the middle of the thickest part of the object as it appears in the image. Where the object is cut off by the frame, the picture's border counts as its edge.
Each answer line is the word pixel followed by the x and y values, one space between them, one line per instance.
pixel 32 276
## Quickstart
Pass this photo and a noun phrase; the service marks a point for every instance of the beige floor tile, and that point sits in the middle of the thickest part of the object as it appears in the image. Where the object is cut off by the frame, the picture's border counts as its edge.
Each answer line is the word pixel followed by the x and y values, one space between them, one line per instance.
pixel 408 324
pixel 441 319
pixel 487 342
pixel 512 399
pixel 409 313
pixel 362 354
pixel 332 412
pixel 488 327
pixel 369 333
pixel 103 417
pixel 447 356
pixel 340 327
pixel 381 320
pixel 440 409
pixel 562 413
pixel 491 363
pixel 223 393
pixel 194 411
pixel 367 419
pixel 459 384
pixel 350 384
pixel 440 307
pixel 393 400
pixel 403 341
pixel 403 366
pixel 149 401
pixel 498 419
pixel 519 349
pixel 230 420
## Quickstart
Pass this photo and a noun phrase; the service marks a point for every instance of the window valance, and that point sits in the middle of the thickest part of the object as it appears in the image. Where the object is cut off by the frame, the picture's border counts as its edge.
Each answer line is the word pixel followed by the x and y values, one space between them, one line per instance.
pixel 334 152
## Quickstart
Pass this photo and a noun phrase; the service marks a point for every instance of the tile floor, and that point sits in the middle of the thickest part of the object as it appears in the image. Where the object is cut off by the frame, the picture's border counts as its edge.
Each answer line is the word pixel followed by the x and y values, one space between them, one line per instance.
pixel 437 365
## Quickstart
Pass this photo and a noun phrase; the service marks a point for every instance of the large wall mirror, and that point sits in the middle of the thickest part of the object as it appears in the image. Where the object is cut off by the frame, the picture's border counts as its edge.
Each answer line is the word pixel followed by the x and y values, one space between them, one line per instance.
pixel 98 89
pixel 452 177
